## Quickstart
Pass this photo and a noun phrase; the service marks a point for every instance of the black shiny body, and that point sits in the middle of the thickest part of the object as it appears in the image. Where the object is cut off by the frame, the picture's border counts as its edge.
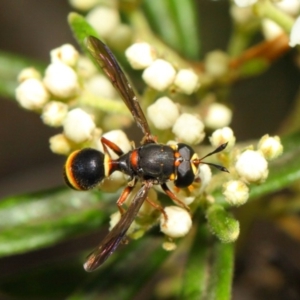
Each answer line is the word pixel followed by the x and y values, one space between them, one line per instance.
pixel 153 162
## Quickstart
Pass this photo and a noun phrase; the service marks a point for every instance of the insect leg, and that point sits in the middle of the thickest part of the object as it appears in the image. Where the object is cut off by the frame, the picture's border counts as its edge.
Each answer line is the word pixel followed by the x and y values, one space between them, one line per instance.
pixel 123 198
pixel 115 148
pixel 173 197
pixel 158 207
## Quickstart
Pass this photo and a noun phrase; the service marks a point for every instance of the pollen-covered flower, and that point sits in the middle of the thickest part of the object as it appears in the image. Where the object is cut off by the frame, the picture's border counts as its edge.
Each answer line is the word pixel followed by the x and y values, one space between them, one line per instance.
pixel 66 54
pixel 252 166
pixel 271 147
pixel 61 80
pixel 178 224
pixel 163 113
pixel 221 136
pixel 32 94
pixel 187 81
pixel 189 129
pixel 54 113
pixel 217 116
pixel 236 192
pixel 140 55
pixel 159 75
pixel 78 125
pixel 104 20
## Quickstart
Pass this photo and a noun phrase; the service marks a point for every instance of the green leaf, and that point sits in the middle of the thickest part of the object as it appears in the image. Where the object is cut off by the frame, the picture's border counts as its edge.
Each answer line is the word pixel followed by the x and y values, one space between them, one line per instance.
pixel 128 268
pixel 38 220
pixel 175 21
pixel 10 67
pixel 209 269
pixel 81 29
pixel 186 22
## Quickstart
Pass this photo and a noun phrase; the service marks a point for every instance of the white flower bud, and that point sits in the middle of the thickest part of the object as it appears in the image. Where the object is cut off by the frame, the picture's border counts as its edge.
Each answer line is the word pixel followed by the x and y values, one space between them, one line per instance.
pixel 241 15
pixel 163 113
pixel 216 63
pixel 295 33
pixel 104 20
pixel 271 30
pixel 112 183
pixel 169 246
pixel 221 136
pixel 178 224
pixel 32 94
pixel 119 138
pixel 187 81
pixel 61 80
pixel 244 3
pixel 185 195
pixel 115 218
pixel 205 176
pixel 252 167
pixel 85 67
pixel 65 54
pixel 270 147
pixel 291 7
pixel 189 129
pixel 100 86
pixel 146 208
pixel 54 113
pixel 83 4
pixel 140 55
pixel 217 116
pixel 28 73
pixel 159 75
pixel 121 38
pixel 236 192
pixel 59 144
pixel 78 125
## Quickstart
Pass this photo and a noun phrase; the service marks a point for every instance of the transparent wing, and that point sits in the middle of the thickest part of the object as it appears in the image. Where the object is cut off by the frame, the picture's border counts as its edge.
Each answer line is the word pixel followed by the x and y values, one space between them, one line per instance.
pixel 106 60
pixel 115 236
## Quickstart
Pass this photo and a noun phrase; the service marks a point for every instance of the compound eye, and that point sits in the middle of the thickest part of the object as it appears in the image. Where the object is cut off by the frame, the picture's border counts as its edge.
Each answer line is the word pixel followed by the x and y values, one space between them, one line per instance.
pixel 84 169
pixel 185 174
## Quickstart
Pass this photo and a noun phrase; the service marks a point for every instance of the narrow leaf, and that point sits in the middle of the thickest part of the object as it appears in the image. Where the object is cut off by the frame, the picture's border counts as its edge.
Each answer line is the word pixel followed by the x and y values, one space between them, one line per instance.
pixel 209 269
pixel 37 220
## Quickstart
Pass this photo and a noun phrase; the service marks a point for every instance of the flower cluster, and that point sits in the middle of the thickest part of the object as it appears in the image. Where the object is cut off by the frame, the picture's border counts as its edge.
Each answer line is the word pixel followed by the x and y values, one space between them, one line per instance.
pixel 251 167
pixel 68 96
pixel 276 17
